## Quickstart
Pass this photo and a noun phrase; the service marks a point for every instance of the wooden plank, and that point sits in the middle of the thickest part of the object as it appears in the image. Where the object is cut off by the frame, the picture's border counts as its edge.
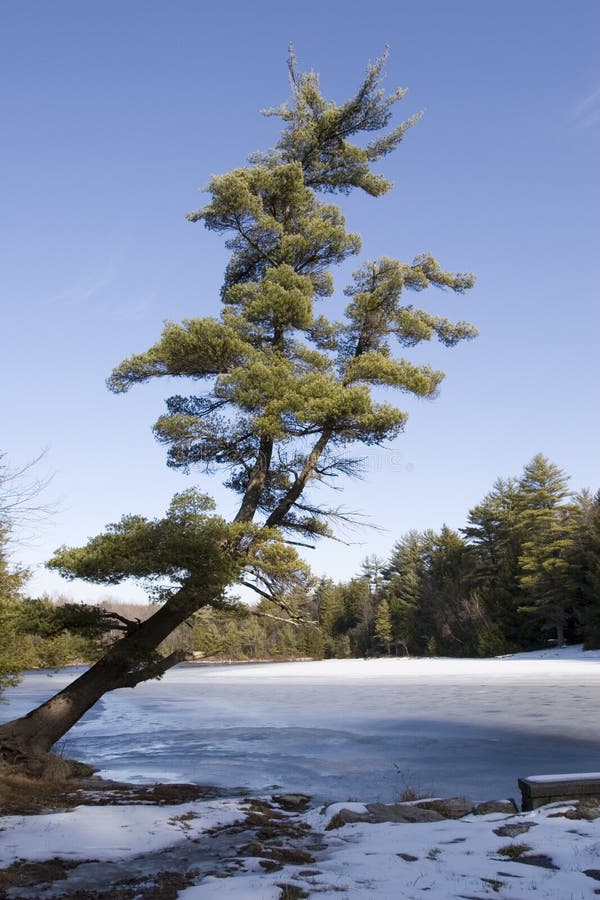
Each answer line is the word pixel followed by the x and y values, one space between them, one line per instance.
pixel 537 790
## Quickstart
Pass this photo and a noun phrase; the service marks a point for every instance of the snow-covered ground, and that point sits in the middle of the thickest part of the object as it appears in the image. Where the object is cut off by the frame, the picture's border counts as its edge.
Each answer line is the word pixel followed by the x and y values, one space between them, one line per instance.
pixel 465 858
pixel 572 652
pixel 362 710
pixel 108 832
pixel 450 859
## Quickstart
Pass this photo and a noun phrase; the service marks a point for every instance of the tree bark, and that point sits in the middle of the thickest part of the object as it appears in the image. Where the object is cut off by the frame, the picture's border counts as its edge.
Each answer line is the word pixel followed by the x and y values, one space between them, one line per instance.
pixel 256 482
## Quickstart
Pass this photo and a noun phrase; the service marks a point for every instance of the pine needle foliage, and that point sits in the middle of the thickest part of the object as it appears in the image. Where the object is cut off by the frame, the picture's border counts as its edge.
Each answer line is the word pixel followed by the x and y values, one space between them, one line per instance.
pixel 285 391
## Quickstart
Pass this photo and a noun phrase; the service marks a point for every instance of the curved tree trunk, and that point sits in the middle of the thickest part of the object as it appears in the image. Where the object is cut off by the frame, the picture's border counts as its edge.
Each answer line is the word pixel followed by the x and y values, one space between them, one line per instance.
pixel 126 663
pixel 130 661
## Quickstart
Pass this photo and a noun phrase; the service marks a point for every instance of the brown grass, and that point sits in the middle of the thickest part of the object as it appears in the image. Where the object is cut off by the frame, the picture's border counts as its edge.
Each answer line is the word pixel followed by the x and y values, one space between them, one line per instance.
pixel 23 795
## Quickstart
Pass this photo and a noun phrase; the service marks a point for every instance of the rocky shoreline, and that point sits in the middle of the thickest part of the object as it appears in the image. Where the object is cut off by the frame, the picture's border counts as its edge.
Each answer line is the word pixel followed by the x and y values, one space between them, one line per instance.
pixel 189 841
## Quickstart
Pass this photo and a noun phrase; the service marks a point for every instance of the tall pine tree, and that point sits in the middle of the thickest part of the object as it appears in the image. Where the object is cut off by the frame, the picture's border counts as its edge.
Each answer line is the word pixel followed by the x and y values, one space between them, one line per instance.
pixel 548 526
pixel 283 391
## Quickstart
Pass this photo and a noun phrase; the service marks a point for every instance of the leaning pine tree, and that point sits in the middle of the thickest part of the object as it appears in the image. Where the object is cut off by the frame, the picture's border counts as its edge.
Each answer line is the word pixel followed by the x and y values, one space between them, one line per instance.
pixel 284 390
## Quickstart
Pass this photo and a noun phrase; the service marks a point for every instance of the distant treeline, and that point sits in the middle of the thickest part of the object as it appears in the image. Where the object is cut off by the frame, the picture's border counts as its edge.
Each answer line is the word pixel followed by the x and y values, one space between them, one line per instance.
pixel 523 572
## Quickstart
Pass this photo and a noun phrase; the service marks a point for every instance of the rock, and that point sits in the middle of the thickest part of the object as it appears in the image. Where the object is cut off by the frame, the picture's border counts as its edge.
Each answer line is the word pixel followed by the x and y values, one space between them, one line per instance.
pixel 269 865
pixel 536 859
pixel 291 855
pixel 292 802
pixel 587 812
pixel 251 849
pixel 580 811
pixel 450 808
pixel 592 873
pixel 514 829
pixel 345 817
pixel 408 857
pixel 401 812
pixel 376 813
pixel 495 806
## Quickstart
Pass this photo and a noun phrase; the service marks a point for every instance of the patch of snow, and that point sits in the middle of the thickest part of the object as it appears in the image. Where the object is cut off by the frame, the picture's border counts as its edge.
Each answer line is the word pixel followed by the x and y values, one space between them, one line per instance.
pixel 108 832
pixel 441 860
pixel 250 887
pixel 575 776
pixel 513 665
pixel 570 652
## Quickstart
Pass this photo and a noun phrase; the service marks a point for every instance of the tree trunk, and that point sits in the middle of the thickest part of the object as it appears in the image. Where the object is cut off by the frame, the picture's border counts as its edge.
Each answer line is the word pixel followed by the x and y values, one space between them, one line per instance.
pixel 126 663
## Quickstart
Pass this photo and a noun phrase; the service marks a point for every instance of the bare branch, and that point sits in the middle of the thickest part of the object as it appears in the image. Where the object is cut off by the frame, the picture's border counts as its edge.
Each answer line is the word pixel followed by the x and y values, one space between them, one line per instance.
pixel 128 625
pixel 272 598
pixel 295 621
pixel 19 492
pixel 257 590
pixel 299 544
pixel 290 497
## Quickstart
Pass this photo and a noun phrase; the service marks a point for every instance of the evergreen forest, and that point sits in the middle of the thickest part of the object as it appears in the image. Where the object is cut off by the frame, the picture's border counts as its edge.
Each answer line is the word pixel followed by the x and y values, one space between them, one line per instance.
pixel 522 573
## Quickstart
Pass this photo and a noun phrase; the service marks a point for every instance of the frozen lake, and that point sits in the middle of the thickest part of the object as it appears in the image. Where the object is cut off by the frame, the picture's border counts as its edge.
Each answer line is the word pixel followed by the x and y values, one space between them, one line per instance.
pixel 341 729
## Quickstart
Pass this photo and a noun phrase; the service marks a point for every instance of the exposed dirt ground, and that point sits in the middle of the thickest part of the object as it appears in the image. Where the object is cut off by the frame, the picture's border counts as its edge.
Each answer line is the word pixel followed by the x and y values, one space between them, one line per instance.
pixel 268 830
pixel 23 795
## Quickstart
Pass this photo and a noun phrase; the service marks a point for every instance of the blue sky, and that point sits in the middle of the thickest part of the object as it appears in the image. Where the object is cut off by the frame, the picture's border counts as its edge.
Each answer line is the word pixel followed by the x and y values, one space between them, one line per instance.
pixel 114 114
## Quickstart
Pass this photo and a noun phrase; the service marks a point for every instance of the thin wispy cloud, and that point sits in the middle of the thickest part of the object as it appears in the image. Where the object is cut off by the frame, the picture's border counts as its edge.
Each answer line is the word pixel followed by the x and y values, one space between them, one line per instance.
pixel 86 289
pixel 587 112
pixel 135 310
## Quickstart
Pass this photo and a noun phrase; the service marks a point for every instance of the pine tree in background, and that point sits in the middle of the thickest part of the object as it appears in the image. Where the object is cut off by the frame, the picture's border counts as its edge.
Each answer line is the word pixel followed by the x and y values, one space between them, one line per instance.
pixel 587 561
pixel 450 613
pixel 549 528
pixel 527 566
pixel 372 570
pixel 404 575
pixel 12 657
pixel 494 539
pixel 357 615
pixel 383 627
pixel 284 390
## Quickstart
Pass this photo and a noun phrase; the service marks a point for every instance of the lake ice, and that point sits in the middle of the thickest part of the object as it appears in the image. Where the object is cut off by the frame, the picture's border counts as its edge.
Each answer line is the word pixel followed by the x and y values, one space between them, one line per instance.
pixel 344 729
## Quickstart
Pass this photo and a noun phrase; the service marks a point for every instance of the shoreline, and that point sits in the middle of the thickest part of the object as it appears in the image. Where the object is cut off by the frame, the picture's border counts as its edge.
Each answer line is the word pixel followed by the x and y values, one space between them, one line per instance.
pixel 100 840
